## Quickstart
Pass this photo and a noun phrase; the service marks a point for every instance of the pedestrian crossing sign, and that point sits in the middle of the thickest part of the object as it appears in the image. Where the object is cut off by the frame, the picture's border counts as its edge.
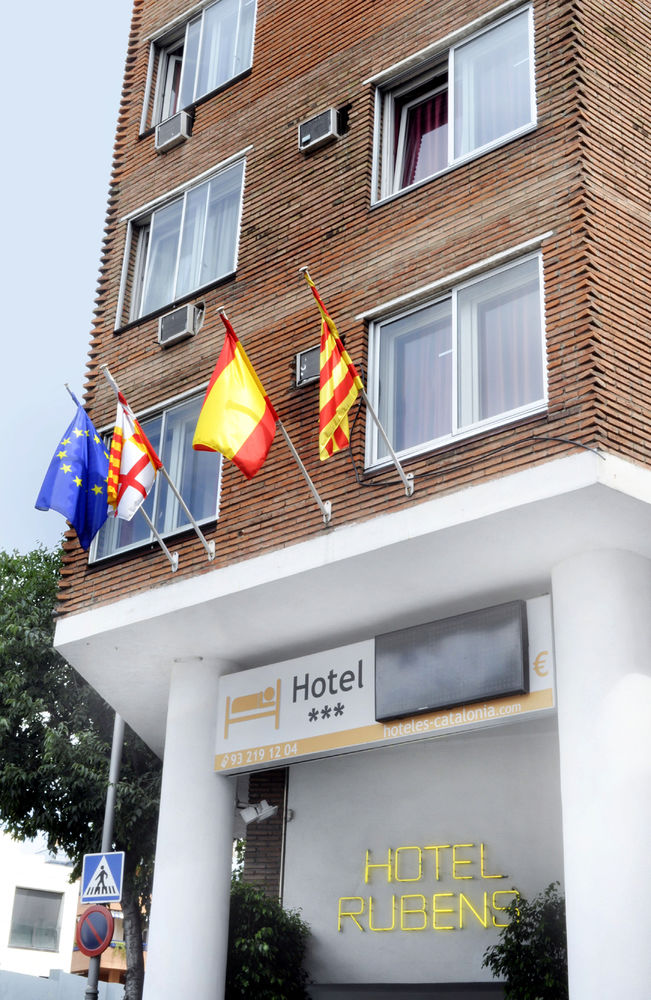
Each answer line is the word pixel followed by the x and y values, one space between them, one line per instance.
pixel 101 877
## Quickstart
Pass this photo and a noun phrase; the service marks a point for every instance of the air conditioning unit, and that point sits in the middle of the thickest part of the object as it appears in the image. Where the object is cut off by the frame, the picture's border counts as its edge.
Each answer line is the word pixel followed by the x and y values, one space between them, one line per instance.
pixel 178 324
pixel 173 131
pixel 308 366
pixel 318 130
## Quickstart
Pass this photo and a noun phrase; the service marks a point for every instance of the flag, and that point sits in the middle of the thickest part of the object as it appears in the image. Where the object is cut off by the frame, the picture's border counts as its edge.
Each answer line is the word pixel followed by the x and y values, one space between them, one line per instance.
pixel 133 463
pixel 75 482
pixel 236 416
pixel 339 385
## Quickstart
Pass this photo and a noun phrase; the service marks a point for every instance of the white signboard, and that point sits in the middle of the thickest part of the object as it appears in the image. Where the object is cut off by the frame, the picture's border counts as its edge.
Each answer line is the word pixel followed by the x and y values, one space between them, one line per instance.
pixel 324 704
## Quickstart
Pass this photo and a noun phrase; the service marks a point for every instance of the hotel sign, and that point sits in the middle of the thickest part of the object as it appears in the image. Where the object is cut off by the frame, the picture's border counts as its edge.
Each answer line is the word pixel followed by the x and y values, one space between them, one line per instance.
pixel 324 704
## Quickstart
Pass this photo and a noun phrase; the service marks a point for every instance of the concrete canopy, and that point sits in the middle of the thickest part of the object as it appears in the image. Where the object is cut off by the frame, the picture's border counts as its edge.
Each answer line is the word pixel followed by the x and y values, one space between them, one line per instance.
pixel 495 541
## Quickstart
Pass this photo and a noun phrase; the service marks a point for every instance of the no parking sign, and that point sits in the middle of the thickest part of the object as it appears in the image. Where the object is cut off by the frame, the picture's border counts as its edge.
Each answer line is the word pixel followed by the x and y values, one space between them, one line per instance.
pixel 94 930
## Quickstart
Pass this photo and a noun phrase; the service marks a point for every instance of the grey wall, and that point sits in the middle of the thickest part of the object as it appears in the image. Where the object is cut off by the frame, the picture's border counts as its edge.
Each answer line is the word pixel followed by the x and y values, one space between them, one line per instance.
pixel 496 786
pixel 59 986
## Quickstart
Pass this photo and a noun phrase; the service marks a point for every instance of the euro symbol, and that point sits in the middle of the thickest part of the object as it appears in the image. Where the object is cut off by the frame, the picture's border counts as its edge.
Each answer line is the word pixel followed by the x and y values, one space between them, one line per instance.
pixel 539 663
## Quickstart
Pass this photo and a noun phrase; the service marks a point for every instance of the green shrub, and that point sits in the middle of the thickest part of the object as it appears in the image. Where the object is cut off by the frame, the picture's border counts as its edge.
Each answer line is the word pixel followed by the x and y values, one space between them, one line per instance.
pixel 531 955
pixel 266 947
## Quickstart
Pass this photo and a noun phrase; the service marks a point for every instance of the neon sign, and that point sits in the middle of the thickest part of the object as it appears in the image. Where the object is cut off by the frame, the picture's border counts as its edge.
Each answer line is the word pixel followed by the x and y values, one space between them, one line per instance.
pixel 481 905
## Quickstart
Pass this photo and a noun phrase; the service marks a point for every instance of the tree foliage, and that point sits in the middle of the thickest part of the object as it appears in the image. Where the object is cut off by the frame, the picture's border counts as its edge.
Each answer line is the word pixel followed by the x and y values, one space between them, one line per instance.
pixel 531 955
pixel 266 948
pixel 55 746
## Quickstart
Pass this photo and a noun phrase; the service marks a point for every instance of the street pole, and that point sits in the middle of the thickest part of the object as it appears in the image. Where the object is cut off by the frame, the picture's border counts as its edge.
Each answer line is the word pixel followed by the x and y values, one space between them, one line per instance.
pixel 92 992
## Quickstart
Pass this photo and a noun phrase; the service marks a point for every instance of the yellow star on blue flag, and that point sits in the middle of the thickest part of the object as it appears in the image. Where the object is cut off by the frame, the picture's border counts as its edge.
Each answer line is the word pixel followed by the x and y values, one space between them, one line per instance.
pixel 75 482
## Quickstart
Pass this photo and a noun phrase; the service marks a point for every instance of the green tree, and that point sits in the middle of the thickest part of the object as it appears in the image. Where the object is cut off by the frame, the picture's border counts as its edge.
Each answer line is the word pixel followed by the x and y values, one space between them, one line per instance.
pixel 266 948
pixel 55 745
pixel 531 955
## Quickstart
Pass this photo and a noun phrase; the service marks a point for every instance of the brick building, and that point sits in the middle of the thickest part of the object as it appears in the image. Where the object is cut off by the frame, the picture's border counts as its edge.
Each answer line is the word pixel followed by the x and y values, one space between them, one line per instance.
pixel 477 223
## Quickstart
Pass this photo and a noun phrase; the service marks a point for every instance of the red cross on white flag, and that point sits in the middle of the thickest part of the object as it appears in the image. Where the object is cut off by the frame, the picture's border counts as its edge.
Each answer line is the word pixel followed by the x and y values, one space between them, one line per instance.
pixel 133 463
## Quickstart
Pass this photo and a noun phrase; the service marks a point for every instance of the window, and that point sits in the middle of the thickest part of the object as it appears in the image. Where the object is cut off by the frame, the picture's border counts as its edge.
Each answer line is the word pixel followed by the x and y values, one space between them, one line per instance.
pixel 36 920
pixel 472 359
pixel 201 55
pixel 184 243
pixel 477 95
pixel 196 475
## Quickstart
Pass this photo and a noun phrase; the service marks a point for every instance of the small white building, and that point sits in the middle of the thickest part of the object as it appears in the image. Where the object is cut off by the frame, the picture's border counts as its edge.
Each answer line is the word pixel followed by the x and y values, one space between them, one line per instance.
pixel 38 907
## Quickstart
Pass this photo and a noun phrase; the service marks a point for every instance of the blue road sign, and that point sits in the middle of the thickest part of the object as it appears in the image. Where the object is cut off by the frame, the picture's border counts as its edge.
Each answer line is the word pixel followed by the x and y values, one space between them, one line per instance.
pixel 101 877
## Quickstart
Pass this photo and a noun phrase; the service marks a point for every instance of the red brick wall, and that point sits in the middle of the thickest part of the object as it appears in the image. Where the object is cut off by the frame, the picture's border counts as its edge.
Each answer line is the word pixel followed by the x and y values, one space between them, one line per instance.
pixel 582 174
pixel 264 841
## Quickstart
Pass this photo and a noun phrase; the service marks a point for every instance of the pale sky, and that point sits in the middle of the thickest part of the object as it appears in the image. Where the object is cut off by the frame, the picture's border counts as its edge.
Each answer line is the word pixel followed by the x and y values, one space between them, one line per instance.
pixel 62 74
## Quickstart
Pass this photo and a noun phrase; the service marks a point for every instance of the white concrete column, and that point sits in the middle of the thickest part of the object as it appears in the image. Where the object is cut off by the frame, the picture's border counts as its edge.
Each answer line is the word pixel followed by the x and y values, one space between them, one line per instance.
pixel 602 626
pixel 186 955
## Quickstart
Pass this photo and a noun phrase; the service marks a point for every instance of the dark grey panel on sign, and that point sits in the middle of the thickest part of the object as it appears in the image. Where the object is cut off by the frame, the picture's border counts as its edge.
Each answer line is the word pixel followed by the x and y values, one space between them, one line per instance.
pixel 472 657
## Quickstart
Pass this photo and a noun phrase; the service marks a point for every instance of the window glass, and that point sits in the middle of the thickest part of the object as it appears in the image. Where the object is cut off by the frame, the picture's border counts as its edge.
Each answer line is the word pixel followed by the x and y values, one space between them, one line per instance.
pixel 188 243
pixel 491 85
pixel 423 136
pixel 217 46
pixel 195 474
pixel 488 79
pixel 416 376
pixel 500 361
pixel 472 358
pixel 160 267
pixel 36 920
pixel 190 62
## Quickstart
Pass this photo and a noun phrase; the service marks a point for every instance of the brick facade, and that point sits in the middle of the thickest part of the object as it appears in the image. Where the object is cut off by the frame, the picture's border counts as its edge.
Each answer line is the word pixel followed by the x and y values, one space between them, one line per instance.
pixel 580 176
pixel 263 857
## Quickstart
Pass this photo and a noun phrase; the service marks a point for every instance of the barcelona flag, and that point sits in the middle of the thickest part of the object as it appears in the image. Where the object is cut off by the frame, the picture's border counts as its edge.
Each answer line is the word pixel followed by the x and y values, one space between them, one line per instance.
pixel 339 384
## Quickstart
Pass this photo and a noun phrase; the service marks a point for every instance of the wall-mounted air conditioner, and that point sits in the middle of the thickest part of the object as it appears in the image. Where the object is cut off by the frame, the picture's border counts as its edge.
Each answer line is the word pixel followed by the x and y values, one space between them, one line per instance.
pixel 178 324
pixel 307 365
pixel 318 130
pixel 173 131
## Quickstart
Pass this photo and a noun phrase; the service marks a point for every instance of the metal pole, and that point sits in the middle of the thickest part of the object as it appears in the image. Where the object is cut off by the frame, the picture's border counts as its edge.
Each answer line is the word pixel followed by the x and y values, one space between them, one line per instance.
pixel 92 992
pixel 324 505
pixel 407 478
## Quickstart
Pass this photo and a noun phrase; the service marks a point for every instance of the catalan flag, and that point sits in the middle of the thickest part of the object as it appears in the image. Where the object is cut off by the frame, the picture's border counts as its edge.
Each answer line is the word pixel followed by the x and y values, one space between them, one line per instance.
pixel 75 482
pixel 339 385
pixel 133 463
pixel 236 418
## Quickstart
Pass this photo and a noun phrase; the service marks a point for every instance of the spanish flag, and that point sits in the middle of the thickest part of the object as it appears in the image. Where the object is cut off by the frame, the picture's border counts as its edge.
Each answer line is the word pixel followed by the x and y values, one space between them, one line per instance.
pixel 339 384
pixel 237 417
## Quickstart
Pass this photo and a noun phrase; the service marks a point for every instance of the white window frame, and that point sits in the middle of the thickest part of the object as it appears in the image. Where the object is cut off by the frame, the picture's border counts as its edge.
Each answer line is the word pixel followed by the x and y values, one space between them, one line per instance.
pixel 411 74
pixel 164 43
pixel 151 412
pixel 135 256
pixel 451 292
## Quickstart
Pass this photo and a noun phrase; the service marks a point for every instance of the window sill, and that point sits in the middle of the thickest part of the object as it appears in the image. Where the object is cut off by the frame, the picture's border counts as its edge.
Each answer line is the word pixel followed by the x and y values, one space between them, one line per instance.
pixel 443 445
pixel 169 306
pixel 378 202
pixel 149 544
pixel 191 108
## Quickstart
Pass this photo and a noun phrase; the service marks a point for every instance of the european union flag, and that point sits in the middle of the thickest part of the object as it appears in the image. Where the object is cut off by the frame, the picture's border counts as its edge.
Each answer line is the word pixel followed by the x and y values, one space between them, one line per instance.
pixel 75 482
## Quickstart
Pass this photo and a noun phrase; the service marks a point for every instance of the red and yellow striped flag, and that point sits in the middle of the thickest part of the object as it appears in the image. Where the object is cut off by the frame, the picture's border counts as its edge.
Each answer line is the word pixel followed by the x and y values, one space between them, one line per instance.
pixel 339 384
pixel 236 418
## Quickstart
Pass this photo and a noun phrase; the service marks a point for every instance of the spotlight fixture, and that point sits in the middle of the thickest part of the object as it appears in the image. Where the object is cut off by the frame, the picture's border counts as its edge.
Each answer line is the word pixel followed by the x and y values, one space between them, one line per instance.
pixel 251 813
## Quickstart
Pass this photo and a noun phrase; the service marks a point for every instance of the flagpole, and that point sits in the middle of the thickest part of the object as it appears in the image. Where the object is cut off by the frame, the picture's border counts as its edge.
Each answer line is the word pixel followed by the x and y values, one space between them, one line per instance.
pixel 324 505
pixel 172 556
pixel 407 478
pixel 208 546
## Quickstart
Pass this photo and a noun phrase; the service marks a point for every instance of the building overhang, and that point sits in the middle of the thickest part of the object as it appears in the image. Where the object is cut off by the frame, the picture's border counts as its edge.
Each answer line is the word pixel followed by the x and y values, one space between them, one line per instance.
pixel 494 541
